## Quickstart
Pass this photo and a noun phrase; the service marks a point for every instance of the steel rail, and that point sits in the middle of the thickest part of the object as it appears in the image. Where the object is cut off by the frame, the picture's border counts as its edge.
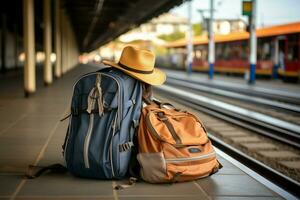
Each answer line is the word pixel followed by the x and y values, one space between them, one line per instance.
pixel 279 179
pixel 274 94
pixel 271 127
pixel 255 100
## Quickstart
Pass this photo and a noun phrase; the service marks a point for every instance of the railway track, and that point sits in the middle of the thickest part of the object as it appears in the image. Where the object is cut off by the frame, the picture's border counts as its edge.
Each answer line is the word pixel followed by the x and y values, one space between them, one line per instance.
pixel 271 94
pixel 283 107
pixel 271 127
pixel 273 175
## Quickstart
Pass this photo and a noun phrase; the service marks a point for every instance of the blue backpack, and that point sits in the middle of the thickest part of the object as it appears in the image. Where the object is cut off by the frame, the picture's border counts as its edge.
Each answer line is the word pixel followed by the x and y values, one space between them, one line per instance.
pixel 105 111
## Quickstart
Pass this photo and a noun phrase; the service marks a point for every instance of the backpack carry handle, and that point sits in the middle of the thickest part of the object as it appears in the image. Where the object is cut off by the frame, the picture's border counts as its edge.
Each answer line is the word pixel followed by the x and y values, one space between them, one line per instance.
pixel 34 171
pixel 148 101
pixel 163 104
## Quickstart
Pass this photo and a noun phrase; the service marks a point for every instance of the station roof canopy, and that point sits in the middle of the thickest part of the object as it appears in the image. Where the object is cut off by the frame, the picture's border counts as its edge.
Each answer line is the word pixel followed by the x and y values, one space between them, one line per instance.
pixel 97 22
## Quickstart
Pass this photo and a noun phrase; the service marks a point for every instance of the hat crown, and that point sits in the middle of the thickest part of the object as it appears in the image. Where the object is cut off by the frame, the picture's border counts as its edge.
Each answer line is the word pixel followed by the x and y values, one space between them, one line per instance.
pixel 138 59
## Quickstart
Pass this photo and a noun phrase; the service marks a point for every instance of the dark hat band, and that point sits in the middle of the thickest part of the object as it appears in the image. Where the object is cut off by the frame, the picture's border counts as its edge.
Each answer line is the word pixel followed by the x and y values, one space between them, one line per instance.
pixel 135 70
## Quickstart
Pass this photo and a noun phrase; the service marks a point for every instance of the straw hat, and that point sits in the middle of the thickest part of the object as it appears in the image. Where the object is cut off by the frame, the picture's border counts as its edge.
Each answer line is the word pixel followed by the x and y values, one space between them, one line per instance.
pixel 139 63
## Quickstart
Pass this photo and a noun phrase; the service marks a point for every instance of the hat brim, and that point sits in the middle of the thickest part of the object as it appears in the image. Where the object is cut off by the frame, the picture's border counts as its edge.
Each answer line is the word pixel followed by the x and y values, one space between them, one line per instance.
pixel 157 77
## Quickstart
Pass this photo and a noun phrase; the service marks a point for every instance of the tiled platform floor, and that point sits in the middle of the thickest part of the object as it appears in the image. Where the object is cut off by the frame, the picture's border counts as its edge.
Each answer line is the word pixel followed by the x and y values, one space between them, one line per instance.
pixel 30 133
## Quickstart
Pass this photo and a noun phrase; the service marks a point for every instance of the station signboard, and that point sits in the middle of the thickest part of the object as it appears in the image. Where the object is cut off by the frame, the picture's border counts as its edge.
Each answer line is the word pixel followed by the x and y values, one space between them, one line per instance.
pixel 247 7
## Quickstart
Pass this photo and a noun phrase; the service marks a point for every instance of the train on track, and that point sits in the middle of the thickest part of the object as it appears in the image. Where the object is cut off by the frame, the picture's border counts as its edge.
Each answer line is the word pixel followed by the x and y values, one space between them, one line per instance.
pixel 278 52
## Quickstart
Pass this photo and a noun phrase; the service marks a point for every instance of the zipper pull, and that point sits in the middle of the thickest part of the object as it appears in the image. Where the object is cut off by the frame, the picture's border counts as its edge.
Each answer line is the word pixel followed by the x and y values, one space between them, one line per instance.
pixel 91 101
pixel 114 124
pixel 99 97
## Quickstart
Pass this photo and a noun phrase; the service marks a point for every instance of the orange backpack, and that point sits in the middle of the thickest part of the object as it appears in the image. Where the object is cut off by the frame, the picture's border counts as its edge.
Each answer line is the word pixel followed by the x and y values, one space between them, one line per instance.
pixel 173 146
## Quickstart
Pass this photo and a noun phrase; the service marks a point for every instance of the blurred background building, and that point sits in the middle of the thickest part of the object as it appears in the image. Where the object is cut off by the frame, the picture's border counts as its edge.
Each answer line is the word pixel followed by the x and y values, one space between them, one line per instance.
pixel 152 35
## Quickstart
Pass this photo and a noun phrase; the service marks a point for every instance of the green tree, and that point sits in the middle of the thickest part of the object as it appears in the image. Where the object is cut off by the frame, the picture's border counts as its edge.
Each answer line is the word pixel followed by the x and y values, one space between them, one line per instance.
pixel 172 37
pixel 197 28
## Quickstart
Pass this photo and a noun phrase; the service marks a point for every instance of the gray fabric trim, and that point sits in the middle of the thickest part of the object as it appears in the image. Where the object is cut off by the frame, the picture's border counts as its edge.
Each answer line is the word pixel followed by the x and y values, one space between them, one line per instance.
pixel 153 167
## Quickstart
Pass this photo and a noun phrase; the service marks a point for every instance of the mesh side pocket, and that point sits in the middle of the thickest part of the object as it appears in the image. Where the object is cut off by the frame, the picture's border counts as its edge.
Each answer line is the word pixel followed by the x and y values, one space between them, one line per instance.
pixel 153 167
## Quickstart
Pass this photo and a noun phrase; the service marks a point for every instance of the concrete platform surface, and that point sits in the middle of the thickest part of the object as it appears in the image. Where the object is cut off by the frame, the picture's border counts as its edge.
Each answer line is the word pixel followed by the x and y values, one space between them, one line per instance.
pixel 31 133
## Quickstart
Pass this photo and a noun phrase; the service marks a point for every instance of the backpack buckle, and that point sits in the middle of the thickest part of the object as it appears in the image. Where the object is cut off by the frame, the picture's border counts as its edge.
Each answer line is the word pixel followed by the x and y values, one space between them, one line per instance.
pixel 162 116
pixel 125 146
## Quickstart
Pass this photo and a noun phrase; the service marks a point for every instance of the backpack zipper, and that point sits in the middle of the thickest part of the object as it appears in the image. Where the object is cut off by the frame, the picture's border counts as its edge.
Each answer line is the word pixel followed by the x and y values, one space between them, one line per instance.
pixel 87 142
pixel 111 146
pixel 189 159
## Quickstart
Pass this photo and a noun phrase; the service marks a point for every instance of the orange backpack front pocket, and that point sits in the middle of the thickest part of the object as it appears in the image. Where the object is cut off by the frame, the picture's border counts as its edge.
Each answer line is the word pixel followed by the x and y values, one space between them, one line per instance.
pixel 178 129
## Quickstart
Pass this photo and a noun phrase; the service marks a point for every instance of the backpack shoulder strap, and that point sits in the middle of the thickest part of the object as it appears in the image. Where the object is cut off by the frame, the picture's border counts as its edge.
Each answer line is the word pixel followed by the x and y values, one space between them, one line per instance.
pixel 34 171
pixel 106 69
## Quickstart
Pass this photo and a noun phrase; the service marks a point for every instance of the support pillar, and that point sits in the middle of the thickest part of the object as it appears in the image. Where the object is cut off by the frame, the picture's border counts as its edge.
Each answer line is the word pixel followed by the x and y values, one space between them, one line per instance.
pixel 189 62
pixel 253 44
pixel 62 42
pixel 47 43
pixel 68 43
pixel 29 47
pixel 67 40
pixel 211 43
pixel 57 71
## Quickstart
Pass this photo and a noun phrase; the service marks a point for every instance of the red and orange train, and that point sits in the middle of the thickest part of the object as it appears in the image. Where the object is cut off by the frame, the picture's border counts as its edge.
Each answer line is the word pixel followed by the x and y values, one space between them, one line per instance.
pixel 278 52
